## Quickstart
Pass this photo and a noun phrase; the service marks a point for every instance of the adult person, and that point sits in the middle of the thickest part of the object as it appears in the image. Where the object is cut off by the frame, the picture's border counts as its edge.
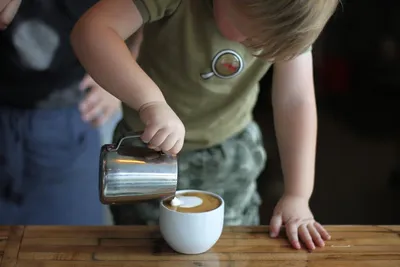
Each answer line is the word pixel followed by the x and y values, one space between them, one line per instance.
pixel 50 111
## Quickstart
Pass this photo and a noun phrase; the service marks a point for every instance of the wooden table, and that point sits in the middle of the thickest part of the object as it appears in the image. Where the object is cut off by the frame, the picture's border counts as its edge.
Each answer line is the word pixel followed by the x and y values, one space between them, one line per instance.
pixel 132 246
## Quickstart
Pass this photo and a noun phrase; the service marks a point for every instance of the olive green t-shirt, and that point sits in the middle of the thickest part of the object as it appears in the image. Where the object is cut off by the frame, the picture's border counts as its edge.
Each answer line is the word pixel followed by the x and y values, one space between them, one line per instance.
pixel 210 82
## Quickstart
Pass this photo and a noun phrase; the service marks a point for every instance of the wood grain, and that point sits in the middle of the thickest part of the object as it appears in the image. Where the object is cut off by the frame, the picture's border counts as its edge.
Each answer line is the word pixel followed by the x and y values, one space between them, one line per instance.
pixel 142 246
pixel 4 232
pixel 13 242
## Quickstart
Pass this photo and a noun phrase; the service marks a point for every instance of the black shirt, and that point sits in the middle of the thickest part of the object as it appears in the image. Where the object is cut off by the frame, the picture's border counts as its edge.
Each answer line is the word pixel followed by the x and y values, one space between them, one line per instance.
pixel 38 66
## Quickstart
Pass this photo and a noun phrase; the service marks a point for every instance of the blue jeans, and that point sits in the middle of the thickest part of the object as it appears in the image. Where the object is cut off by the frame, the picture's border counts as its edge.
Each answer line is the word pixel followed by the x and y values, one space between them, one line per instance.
pixel 48 168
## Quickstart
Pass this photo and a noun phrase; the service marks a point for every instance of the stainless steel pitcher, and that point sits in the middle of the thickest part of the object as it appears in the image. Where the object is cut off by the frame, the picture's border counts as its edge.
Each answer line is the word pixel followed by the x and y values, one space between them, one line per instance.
pixel 130 173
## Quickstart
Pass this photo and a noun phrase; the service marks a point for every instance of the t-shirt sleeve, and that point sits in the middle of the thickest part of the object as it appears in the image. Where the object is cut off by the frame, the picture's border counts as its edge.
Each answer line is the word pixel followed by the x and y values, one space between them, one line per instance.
pixel 153 10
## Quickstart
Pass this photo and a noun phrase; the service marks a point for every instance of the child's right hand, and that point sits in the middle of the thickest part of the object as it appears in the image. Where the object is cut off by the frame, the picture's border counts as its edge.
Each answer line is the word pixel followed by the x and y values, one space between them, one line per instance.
pixel 164 130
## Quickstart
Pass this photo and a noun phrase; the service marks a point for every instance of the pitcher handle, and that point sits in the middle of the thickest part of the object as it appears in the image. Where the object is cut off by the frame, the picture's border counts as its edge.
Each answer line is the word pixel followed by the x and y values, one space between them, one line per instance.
pixel 129 135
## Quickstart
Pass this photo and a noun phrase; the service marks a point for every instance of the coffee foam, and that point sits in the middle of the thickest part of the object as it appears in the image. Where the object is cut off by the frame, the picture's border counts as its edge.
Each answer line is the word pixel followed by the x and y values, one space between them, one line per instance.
pixel 175 202
pixel 186 201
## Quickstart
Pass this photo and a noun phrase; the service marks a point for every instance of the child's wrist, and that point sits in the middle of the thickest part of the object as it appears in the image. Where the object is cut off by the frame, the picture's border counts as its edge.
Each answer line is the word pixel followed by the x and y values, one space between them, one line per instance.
pixel 148 104
pixel 294 194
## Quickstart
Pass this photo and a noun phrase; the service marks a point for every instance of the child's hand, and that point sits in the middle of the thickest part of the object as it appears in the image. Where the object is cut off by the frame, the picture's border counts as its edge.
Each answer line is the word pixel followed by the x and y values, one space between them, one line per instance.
pixel 295 214
pixel 164 130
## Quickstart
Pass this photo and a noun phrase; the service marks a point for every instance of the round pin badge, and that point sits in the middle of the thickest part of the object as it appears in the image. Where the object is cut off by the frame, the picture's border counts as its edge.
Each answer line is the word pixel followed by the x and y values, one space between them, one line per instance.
pixel 226 64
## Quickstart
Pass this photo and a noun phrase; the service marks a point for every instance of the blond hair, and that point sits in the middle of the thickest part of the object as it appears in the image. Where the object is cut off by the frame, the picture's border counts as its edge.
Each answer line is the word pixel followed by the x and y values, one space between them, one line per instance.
pixel 283 29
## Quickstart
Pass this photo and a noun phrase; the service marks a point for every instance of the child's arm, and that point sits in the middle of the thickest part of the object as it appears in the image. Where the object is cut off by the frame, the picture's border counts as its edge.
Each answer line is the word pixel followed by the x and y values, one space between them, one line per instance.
pixel 98 40
pixel 296 129
pixel 134 42
pixel 295 118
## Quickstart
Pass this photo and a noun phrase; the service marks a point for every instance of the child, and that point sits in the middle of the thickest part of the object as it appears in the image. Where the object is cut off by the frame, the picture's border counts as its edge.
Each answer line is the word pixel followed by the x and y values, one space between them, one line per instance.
pixel 194 87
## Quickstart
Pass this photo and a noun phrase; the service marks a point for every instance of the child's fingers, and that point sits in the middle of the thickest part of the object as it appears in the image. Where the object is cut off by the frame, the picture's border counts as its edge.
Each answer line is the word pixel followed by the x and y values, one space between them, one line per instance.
pixel 168 143
pixel 322 231
pixel 275 225
pixel 293 235
pixel 154 148
pixel 315 235
pixel 306 237
pixel 177 147
pixel 159 137
pixel 149 132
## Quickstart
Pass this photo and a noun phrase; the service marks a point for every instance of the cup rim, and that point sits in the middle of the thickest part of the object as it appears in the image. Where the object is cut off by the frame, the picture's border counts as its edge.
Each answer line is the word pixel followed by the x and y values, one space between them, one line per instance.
pixel 194 214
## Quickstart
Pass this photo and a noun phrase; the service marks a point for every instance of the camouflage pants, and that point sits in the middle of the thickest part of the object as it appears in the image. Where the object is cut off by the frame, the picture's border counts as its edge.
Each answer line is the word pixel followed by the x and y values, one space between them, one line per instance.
pixel 230 170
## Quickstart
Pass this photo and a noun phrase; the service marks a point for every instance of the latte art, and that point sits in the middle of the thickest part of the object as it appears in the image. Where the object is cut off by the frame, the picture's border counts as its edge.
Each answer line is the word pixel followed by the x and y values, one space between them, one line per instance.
pixel 192 202
pixel 186 201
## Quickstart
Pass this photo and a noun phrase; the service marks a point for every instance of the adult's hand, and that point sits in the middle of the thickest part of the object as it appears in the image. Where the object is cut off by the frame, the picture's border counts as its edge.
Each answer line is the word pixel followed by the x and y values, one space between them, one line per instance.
pixel 98 105
pixel 8 9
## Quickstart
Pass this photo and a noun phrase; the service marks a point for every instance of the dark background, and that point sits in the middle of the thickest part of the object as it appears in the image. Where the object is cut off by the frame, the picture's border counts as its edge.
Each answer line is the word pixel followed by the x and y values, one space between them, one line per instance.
pixel 357 78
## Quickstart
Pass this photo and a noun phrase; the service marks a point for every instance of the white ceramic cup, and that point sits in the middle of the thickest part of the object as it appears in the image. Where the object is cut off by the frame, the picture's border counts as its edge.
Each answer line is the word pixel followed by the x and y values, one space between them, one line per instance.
pixel 192 233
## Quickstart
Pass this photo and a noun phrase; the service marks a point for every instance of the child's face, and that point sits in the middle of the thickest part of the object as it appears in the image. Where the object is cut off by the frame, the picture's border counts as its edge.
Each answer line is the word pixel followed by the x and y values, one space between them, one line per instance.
pixel 230 22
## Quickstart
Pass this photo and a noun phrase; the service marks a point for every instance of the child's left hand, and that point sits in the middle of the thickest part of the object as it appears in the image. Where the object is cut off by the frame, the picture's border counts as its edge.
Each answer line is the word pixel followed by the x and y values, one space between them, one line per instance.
pixel 294 212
